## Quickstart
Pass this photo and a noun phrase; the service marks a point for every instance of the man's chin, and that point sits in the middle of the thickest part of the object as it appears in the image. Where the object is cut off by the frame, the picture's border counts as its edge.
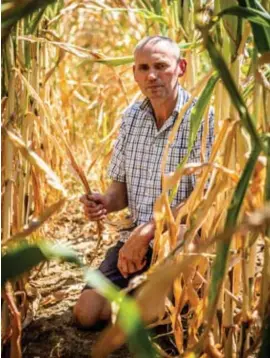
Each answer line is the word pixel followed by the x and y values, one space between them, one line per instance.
pixel 156 97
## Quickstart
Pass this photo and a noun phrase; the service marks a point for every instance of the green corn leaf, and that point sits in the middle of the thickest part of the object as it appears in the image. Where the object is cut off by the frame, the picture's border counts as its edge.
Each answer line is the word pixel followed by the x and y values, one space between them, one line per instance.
pixel 16 262
pixel 146 4
pixel 252 15
pixel 109 61
pixel 265 347
pixel 260 6
pixel 34 23
pixel 230 85
pixel 60 252
pixel 129 314
pixel 21 259
pixel 196 119
pixel 267 179
pixel 199 109
pixel 156 4
pixel 146 14
pixel 261 34
pixel 12 15
pixel 27 56
pixel 117 61
pixel 241 188
pixel 103 285
pixel 125 60
pixel 233 27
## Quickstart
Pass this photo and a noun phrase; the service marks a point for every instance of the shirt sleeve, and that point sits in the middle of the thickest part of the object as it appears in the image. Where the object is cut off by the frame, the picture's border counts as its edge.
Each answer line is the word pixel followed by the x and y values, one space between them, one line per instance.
pixel 211 136
pixel 116 170
pixel 197 148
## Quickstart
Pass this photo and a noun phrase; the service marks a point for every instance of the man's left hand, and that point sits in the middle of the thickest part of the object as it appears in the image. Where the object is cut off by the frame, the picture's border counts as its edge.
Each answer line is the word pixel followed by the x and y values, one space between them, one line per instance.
pixel 132 255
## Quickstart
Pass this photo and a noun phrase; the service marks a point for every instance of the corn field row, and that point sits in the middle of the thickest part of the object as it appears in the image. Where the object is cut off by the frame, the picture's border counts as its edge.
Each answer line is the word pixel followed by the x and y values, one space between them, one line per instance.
pixel 66 79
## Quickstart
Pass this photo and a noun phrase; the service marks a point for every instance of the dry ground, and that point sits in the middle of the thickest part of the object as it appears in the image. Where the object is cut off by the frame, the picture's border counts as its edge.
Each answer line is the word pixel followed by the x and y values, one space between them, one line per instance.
pixel 52 332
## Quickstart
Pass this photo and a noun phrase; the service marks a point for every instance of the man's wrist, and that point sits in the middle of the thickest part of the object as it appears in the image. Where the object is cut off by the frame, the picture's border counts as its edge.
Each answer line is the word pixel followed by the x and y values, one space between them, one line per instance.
pixel 148 231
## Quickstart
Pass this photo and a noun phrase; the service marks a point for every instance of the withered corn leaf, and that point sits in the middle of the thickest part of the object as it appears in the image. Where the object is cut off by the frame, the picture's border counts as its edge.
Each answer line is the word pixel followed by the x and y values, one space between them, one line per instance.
pixel 220 262
pixel 230 85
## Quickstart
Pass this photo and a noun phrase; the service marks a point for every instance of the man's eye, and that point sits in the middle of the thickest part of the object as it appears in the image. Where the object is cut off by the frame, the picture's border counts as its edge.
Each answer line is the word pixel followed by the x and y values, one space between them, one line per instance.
pixel 143 68
pixel 161 66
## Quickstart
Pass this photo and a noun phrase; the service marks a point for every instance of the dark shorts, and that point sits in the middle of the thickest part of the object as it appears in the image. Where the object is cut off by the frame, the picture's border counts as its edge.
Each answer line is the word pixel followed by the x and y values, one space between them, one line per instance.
pixel 109 267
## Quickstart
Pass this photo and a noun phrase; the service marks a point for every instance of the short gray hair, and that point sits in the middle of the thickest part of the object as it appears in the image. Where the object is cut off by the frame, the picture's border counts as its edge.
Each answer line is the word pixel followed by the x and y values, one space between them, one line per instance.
pixel 155 39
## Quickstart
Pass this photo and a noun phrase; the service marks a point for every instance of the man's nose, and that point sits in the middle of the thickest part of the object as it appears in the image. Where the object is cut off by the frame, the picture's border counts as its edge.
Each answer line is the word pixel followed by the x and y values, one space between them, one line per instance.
pixel 152 75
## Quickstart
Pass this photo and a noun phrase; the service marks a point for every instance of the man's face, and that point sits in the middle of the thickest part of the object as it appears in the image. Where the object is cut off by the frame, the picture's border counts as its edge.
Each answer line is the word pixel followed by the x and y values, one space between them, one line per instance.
pixel 156 70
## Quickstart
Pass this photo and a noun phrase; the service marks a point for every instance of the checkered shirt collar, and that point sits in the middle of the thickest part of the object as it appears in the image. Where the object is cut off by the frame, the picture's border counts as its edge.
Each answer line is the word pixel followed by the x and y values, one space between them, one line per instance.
pixel 147 107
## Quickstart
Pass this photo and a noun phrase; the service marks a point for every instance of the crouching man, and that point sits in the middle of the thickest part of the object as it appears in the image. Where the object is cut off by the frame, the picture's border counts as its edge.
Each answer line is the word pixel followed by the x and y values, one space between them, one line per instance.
pixel 135 168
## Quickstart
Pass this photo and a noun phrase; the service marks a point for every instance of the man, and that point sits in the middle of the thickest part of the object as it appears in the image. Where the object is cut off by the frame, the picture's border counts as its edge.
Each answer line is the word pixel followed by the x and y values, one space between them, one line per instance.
pixel 135 167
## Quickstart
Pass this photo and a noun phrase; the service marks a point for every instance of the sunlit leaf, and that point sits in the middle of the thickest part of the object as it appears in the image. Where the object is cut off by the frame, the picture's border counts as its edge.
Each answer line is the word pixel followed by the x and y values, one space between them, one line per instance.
pixel 250 14
pixel 129 325
pixel 35 160
pixel 36 223
pixel 223 247
pixel 10 15
pixel 24 257
pixel 261 33
pixel 229 83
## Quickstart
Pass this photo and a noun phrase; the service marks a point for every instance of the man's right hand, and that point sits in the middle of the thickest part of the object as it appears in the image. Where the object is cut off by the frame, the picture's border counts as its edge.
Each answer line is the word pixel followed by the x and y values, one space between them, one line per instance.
pixel 95 206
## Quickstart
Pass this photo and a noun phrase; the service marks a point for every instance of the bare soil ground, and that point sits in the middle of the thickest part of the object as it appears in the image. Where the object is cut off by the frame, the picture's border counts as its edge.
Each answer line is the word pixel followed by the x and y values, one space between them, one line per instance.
pixel 49 327
pixel 50 330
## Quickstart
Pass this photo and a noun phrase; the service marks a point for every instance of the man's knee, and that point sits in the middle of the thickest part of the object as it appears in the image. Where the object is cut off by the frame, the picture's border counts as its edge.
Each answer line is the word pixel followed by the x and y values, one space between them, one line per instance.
pixel 90 308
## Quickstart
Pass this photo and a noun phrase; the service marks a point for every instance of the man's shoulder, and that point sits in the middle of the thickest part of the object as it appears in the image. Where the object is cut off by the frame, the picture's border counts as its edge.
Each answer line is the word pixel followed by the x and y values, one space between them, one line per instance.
pixel 185 97
pixel 133 112
pixel 134 107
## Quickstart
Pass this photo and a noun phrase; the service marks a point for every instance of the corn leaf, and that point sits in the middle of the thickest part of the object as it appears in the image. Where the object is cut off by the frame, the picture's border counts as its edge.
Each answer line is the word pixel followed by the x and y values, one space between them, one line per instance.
pixel 241 188
pixel 129 320
pixel 26 256
pixel 36 223
pixel 151 295
pixel 261 33
pixel 34 23
pixel 219 266
pixel 125 60
pixel 117 61
pixel 196 119
pixel 267 181
pixel 198 110
pixel 35 160
pixel 230 85
pixel 10 15
pixel 148 15
pixel 254 16
pixel 265 347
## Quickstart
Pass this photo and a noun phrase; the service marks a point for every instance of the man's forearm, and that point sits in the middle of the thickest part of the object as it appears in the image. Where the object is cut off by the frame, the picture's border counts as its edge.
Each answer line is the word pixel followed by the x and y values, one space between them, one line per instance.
pixel 116 197
pixel 149 228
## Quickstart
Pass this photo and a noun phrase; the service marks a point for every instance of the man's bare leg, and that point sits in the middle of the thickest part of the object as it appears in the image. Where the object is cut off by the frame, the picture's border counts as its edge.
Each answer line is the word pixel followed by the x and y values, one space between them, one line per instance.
pixel 91 308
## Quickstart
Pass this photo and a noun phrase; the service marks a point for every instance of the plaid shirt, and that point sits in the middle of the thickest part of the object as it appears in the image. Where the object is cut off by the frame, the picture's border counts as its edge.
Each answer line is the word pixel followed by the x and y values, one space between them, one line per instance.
pixel 138 152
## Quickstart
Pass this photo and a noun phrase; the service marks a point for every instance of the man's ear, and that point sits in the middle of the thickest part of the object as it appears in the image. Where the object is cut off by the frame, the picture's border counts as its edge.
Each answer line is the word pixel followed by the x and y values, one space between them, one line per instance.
pixel 182 66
